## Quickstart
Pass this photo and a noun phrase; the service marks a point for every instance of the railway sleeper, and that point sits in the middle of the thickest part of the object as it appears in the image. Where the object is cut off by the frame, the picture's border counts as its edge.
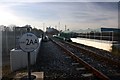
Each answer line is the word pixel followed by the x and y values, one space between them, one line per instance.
pixel 75 64
pixel 81 69
pixel 87 76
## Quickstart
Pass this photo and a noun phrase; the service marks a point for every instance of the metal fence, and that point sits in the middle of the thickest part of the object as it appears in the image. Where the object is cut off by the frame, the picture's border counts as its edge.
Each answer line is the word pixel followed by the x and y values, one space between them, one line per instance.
pixel 109 36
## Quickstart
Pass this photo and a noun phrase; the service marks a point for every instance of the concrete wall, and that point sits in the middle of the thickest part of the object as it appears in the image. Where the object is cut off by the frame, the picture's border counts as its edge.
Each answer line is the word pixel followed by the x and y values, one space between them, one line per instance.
pixel 18 58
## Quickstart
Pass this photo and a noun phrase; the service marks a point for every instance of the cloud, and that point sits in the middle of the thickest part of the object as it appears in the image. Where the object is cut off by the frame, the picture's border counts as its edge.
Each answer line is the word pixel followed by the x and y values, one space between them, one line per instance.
pixel 91 14
pixel 86 11
pixel 72 14
pixel 31 1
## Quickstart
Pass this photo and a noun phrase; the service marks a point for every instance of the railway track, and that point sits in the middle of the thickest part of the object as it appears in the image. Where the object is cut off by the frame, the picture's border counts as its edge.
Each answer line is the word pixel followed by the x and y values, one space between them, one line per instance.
pixel 107 59
pixel 58 66
pixel 96 53
pixel 99 52
pixel 102 67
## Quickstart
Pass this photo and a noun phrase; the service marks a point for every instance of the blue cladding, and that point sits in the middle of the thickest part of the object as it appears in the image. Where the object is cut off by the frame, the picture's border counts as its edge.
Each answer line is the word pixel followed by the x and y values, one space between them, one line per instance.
pixel 110 29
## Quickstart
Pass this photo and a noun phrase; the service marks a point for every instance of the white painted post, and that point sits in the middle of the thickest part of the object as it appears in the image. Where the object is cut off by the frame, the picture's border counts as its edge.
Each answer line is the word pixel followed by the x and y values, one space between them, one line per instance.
pixel 89 35
pixel 112 36
pixel 86 34
pixel 101 36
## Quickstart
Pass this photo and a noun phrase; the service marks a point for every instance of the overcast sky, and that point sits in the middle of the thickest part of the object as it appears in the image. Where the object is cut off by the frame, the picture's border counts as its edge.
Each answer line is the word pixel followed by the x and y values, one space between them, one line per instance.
pixel 75 14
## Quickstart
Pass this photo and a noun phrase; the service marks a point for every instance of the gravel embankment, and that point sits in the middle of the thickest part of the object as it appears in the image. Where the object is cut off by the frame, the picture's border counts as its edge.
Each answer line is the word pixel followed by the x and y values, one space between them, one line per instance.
pixel 55 65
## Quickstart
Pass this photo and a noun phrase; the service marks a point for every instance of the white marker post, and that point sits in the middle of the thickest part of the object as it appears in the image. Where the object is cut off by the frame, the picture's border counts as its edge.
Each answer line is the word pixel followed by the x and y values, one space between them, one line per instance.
pixel 28 43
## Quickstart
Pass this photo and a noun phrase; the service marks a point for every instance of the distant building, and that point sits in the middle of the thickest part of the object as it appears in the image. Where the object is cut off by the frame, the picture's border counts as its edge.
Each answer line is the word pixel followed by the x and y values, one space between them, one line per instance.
pixel 51 31
pixel 97 30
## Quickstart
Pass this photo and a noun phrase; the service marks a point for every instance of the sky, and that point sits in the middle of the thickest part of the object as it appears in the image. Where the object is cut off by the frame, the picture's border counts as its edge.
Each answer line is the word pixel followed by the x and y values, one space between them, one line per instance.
pixel 74 14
